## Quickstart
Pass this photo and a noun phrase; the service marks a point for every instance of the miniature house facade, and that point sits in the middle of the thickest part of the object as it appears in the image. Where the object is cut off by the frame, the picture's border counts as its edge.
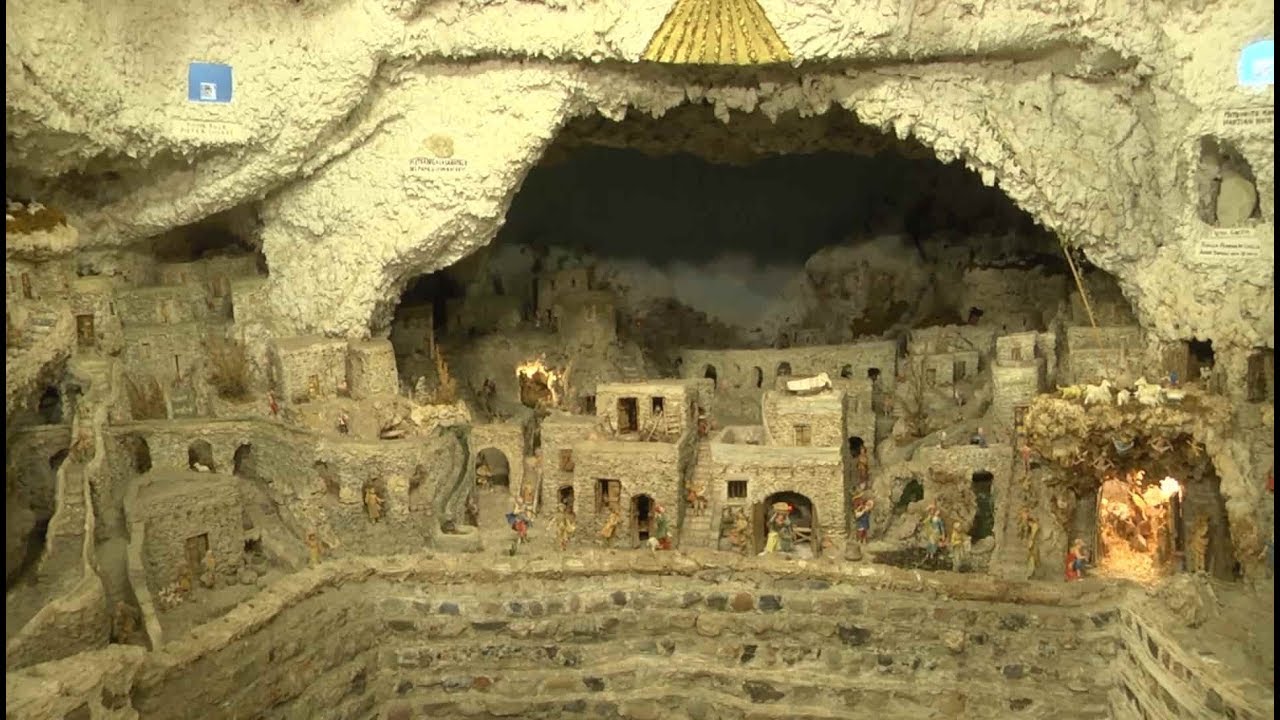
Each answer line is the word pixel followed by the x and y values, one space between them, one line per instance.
pixel 186 514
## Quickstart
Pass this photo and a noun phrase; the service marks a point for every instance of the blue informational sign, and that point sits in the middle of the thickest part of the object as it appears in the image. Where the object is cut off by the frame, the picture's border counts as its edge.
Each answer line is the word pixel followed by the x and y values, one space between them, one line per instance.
pixel 209 83
pixel 1258 64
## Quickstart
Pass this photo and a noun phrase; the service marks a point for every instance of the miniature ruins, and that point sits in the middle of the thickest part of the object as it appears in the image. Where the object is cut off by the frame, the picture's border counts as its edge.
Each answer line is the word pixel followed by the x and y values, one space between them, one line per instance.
pixel 697 381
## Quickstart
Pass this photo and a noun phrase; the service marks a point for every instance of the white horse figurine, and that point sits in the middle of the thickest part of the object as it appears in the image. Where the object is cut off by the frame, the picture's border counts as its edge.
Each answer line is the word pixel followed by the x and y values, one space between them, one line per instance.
pixel 1099 394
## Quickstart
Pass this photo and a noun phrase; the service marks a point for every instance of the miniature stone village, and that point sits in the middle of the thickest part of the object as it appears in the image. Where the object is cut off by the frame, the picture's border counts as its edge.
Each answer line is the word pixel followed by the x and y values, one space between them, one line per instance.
pixel 951 465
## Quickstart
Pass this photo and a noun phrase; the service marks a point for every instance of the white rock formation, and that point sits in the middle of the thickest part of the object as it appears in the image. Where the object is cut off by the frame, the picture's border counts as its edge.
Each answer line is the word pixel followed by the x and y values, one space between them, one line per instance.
pixel 1093 128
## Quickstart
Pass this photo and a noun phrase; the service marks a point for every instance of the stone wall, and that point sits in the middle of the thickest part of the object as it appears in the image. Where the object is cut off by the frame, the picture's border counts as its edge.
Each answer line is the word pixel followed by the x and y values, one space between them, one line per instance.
pixel 1114 353
pixel 818 473
pixel 371 369
pixel 1013 386
pixel 737 369
pixel 179 506
pixel 953 338
pixel 163 351
pixel 642 468
pixel 804 420
pixel 587 318
pixel 560 433
pixel 675 399
pixel 306 366
pixel 509 438
pixel 680 637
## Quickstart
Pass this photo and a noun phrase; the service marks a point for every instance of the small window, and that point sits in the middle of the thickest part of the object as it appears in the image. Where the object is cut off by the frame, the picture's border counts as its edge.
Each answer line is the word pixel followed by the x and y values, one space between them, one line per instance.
pixel 589 404
pixel 658 404
pixel 931 376
pixel 804 436
pixel 737 489
pixel 960 370
pixel 873 374
pixel 1015 353
pixel 566 461
pixel 846 371
pixel 608 493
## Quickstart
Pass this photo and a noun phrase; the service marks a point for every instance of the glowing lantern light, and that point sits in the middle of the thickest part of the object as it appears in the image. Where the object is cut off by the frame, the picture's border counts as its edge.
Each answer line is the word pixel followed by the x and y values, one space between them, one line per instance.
pixel 537 371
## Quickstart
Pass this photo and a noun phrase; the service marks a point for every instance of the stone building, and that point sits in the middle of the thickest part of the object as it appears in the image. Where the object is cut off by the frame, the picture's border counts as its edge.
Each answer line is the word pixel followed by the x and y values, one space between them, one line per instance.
pixel 551 285
pixel 303 368
pixel 586 318
pixel 182 515
pixel 1113 353
pixel 650 432
pixel 740 377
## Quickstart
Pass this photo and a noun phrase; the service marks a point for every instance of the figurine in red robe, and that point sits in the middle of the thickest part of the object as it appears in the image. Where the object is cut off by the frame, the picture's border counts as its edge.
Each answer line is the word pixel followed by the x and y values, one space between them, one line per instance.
pixel 1075 561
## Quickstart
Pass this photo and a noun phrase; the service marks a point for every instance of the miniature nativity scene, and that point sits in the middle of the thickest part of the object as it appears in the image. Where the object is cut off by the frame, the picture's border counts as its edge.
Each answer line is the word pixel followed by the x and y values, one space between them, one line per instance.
pixel 790 366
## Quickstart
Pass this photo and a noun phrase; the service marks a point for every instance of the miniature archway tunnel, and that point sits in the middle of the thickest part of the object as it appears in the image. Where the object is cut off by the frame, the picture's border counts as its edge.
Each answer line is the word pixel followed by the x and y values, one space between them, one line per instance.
pixel 243 463
pixel 135 448
pixel 984 518
pixel 200 456
pixel 493 469
pixel 804 519
pixel 642 516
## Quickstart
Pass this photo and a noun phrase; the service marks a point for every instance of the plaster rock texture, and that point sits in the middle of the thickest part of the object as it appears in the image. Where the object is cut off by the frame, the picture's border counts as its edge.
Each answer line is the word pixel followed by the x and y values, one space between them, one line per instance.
pixel 1094 130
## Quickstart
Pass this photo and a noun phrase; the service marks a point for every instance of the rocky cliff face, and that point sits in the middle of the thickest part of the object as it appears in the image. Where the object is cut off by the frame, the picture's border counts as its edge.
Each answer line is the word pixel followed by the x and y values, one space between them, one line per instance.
pixel 393 147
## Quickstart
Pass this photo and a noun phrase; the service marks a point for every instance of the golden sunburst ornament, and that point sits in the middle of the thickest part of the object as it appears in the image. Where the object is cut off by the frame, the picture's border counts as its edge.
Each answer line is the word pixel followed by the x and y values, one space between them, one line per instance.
pixel 717 32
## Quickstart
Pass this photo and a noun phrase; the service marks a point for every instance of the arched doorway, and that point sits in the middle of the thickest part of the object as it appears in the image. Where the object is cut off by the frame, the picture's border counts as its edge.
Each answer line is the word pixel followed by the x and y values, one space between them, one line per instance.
pixel 138 451
pixel 784 369
pixel 804 522
pixel 200 456
pixel 641 518
pixel 846 371
pixel 912 491
pixel 564 496
pixel 243 464
pixel 493 469
pixel 984 519
pixel 50 406
pixel 709 372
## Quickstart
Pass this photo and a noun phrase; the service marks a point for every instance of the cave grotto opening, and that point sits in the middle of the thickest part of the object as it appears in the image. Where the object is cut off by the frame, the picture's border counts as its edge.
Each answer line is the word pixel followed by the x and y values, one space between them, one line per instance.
pixel 530 263
pixel 642 237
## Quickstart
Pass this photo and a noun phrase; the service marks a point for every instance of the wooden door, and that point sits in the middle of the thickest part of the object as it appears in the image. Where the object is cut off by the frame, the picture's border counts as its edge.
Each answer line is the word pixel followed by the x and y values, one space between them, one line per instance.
pixel 758 534
pixel 196 547
pixel 84 330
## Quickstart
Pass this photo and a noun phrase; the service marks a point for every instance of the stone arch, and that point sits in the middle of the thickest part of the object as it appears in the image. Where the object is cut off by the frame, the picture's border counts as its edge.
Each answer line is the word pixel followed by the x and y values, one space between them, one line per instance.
pixel 641 517
pixel 200 452
pixel 984 518
pixel 138 451
pixel 709 373
pixel 494 466
pixel 804 516
pixel 243 462
pixel 56 460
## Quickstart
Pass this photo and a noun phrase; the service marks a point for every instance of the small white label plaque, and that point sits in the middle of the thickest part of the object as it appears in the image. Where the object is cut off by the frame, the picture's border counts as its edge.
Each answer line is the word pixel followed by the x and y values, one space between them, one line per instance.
pixel 1224 245
pixel 1248 119
pixel 210 131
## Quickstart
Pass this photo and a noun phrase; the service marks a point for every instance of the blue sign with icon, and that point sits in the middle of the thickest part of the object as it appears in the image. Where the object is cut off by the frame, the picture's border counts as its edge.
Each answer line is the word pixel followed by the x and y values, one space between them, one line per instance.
pixel 1258 64
pixel 209 83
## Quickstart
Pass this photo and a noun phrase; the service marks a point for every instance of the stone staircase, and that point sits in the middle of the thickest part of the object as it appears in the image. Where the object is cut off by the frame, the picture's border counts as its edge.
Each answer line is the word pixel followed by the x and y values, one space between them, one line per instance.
pixel 64 544
pixel 700 530
pixel 47 339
